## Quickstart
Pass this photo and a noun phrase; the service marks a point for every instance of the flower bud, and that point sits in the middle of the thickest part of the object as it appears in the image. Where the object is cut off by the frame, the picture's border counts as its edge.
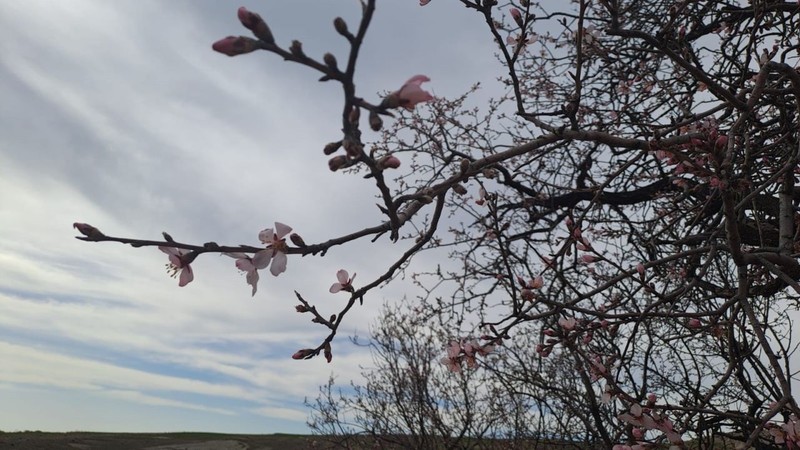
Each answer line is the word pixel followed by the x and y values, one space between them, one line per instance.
pixel 375 121
pixel 256 24
pixel 464 166
pixel 88 230
pixel 303 354
pixel 337 162
pixel 297 49
pixel 301 308
pixel 297 240
pixel 388 162
pixel 721 143
pixel 459 189
pixel 328 353
pixel 233 45
pixel 332 147
pixel 330 61
pixel 517 16
pixel 341 26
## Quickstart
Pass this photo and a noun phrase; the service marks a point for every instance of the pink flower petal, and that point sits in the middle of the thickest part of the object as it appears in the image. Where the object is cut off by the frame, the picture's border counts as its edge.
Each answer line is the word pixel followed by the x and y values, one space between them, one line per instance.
pixel 278 265
pixel 335 287
pixel 245 265
pixel 266 236
pixel 187 275
pixel 343 276
pixel 282 230
pixel 252 280
pixel 261 259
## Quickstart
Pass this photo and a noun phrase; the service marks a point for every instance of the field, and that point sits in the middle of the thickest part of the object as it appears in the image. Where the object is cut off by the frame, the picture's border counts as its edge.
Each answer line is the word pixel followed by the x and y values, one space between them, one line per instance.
pixel 35 440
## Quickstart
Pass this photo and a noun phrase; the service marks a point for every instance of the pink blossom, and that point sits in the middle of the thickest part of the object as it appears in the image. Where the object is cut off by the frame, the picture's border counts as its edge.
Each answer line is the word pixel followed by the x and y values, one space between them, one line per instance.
pixel 179 262
pixel 409 94
pixel 568 324
pixel 276 245
pixel 424 2
pixel 588 259
pixel 536 283
pixel 345 282
pixel 453 349
pixel 521 41
pixel 251 265
pixel 452 364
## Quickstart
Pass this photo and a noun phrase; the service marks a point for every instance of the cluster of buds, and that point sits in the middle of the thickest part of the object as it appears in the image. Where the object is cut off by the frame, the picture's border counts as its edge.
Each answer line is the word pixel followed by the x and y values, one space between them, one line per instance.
pixel 239 45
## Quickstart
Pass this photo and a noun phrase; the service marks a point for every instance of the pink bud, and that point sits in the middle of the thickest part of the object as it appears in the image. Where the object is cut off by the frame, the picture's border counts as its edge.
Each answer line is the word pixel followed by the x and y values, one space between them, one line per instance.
pixel 637 433
pixel 235 45
pixel 517 16
pixel 651 397
pixel 337 162
pixel 303 354
pixel 388 162
pixel 256 24
pixel 721 143
pixel 640 268
pixel 588 259
pixel 88 230
pixel 694 323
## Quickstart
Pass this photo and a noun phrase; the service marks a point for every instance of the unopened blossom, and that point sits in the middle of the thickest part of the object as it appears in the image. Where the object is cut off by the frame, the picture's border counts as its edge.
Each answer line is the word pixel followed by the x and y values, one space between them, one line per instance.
pixel 179 263
pixel 303 354
pixel 424 2
pixel 694 323
pixel 235 45
pixel 345 282
pixel 276 246
pixel 256 24
pixel 409 94
pixel 251 265
pixel 87 230
pixel 517 16
pixel 388 162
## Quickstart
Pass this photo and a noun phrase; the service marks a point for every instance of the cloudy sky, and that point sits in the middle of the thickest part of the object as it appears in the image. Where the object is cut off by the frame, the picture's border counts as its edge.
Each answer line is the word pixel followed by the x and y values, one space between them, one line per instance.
pixel 118 114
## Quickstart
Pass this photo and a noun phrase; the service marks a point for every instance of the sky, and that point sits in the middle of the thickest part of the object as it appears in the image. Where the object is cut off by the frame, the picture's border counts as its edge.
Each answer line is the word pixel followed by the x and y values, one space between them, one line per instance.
pixel 119 114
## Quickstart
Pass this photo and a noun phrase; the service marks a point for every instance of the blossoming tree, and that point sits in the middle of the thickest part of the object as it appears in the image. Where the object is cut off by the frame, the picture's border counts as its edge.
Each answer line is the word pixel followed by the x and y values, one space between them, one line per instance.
pixel 627 206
